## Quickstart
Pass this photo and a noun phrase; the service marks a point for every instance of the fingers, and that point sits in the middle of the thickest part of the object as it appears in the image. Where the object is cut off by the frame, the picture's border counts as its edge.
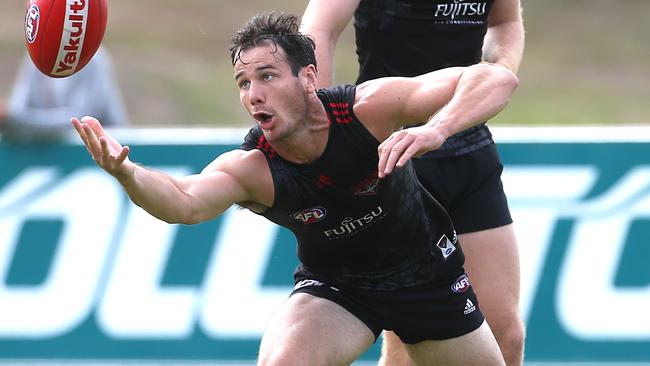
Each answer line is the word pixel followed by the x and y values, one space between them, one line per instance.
pixel 78 126
pixel 403 145
pixel 395 152
pixel 122 155
pixel 410 152
pixel 108 159
pixel 92 142
pixel 94 124
pixel 105 151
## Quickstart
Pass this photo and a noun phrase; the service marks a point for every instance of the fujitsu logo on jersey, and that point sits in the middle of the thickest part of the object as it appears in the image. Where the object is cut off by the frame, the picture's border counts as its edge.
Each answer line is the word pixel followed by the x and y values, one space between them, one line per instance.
pixel 310 215
pixel 32 20
pixel 350 226
pixel 74 30
pixel 459 8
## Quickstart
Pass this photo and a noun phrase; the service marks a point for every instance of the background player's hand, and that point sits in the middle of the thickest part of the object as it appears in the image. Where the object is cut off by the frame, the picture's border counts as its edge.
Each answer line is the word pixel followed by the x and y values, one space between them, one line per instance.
pixel 405 144
pixel 107 152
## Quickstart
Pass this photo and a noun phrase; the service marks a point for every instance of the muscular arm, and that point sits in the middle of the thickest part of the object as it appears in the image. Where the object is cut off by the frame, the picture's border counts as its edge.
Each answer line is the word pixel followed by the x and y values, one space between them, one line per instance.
pixel 229 179
pixel 324 20
pixel 191 199
pixel 483 90
pixel 450 100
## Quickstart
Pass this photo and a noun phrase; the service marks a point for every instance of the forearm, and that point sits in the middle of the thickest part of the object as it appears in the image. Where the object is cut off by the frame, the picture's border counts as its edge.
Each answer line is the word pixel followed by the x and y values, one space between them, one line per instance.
pixel 324 21
pixel 157 193
pixel 483 90
pixel 325 47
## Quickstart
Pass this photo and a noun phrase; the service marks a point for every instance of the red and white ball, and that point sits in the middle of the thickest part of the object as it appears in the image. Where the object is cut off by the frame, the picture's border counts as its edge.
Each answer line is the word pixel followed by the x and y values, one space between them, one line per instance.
pixel 63 35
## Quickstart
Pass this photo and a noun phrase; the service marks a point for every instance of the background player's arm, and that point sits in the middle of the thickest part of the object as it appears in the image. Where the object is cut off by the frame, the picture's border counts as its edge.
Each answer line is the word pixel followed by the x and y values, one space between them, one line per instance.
pixel 451 100
pixel 324 20
pixel 188 200
pixel 504 41
pixel 475 99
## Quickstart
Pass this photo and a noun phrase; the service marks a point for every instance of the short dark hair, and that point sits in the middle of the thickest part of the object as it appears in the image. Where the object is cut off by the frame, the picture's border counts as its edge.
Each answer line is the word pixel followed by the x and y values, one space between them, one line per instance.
pixel 280 29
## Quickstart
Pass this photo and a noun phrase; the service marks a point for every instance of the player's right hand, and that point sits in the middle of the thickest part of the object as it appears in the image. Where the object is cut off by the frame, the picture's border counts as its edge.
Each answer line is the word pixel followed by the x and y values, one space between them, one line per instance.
pixel 105 150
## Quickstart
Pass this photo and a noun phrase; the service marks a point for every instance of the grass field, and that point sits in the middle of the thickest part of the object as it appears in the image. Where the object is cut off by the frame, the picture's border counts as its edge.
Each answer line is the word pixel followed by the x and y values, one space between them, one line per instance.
pixel 586 62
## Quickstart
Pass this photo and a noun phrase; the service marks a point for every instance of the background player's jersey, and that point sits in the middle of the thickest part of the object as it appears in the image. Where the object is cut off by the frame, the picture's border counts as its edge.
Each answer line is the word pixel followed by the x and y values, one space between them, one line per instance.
pixel 413 37
pixel 352 228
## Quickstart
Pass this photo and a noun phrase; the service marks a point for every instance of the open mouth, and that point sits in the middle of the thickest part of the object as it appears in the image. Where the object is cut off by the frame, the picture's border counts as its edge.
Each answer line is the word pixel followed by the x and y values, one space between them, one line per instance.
pixel 262 117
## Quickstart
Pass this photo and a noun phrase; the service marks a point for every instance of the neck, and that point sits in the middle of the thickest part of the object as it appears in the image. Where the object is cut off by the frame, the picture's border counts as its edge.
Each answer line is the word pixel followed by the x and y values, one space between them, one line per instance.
pixel 309 140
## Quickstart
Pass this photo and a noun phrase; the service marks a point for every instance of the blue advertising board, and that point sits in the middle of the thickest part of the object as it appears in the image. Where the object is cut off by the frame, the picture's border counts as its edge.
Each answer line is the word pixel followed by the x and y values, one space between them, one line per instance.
pixel 87 275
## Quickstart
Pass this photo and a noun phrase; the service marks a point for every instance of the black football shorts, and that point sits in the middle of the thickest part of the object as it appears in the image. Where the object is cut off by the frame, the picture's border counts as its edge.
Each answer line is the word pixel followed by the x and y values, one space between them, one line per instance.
pixel 469 187
pixel 436 311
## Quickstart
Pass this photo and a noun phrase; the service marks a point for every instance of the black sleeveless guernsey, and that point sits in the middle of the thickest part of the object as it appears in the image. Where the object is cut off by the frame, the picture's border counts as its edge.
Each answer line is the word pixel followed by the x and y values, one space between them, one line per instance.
pixel 352 228
pixel 413 37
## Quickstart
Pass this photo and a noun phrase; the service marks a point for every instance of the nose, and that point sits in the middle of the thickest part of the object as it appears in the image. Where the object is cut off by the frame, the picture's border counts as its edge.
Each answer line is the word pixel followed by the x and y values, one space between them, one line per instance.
pixel 255 94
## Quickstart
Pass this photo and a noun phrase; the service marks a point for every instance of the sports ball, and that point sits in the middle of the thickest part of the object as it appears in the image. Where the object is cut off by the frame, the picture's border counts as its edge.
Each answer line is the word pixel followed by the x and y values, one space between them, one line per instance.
pixel 63 35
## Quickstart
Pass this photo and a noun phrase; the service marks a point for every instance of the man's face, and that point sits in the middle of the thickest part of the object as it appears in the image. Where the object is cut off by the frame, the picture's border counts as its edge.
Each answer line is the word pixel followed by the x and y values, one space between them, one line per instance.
pixel 271 94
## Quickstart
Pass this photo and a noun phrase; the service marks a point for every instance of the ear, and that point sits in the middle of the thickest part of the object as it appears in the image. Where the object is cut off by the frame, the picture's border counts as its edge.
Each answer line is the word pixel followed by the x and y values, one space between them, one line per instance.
pixel 308 74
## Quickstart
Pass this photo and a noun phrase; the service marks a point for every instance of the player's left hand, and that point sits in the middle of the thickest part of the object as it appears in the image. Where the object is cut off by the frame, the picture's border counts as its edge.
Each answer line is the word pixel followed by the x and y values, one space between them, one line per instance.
pixel 405 144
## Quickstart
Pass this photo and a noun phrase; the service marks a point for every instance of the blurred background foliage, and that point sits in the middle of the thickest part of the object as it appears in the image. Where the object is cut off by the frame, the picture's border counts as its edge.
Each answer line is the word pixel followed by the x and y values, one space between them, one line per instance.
pixel 587 62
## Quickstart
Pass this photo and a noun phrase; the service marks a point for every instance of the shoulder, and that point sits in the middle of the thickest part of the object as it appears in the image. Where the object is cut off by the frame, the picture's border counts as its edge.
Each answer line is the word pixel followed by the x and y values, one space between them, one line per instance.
pixel 238 162
pixel 377 104
pixel 249 169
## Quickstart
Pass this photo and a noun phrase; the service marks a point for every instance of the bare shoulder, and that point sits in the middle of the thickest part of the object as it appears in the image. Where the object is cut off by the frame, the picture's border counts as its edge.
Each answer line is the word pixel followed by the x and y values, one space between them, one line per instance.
pixel 250 169
pixel 377 104
pixel 235 159
pixel 386 104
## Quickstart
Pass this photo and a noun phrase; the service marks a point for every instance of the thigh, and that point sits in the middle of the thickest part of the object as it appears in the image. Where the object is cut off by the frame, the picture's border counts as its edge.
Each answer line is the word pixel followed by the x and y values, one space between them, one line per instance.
pixel 308 330
pixel 475 348
pixel 492 264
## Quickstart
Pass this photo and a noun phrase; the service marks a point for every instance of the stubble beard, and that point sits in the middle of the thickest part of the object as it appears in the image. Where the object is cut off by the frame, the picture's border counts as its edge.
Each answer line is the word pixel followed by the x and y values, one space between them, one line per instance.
pixel 298 125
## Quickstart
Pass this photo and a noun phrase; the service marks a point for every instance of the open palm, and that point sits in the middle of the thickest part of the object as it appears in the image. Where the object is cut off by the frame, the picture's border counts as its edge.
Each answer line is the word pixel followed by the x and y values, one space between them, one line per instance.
pixel 105 150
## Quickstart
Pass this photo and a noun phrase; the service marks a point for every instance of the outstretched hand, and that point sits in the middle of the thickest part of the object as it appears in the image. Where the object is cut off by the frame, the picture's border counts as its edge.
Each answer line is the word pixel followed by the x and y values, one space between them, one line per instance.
pixel 105 150
pixel 405 144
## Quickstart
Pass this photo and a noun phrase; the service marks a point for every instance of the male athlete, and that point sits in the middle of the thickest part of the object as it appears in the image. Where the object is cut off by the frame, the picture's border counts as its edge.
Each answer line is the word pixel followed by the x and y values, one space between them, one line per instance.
pixel 376 251
pixel 413 37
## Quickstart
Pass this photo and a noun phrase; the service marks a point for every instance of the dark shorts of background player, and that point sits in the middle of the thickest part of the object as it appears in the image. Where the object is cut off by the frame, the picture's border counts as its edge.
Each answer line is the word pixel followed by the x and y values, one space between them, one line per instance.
pixel 469 187
pixel 415 314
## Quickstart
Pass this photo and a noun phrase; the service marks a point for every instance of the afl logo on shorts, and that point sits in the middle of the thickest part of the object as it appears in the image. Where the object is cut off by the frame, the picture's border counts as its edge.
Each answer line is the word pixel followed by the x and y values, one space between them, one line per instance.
pixel 32 20
pixel 461 284
pixel 310 215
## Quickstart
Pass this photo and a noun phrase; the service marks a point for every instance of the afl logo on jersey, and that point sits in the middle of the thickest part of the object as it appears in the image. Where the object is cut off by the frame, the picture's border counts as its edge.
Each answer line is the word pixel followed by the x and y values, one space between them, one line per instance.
pixel 461 284
pixel 310 215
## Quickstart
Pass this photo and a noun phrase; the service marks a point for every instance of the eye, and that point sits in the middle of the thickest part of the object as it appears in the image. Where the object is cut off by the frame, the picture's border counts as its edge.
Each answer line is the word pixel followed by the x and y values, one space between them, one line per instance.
pixel 268 77
pixel 243 84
